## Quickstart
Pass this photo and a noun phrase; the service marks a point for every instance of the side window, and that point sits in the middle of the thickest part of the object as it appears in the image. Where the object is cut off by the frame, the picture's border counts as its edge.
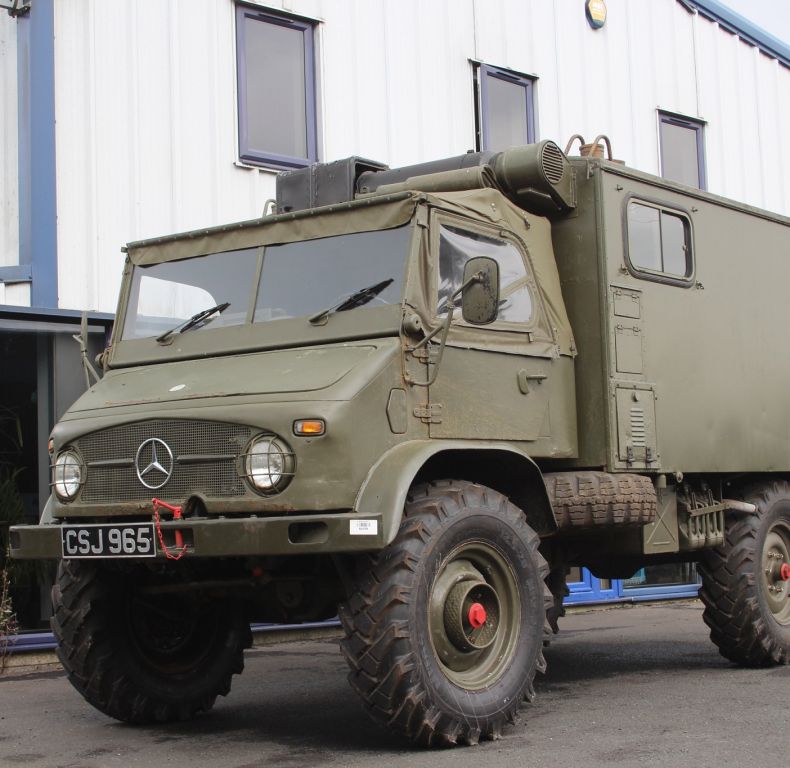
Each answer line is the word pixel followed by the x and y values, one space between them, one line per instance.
pixel 505 110
pixel 659 241
pixel 457 246
pixel 276 89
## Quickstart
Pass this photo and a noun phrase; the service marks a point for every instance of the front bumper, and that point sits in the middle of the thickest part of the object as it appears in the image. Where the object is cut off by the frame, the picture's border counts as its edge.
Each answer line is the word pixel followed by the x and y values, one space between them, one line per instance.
pixel 232 537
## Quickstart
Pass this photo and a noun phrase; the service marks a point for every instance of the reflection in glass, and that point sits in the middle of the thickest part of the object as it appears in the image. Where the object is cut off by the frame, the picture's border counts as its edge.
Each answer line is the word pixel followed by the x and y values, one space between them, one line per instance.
pixel 679 154
pixel 507 117
pixel 274 69
pixel 673 245
pixel 644 236
pixel 663 575
pixel 658 240
pixel 457 246
pixel 297 280
pixel 164 295
pixel 300 279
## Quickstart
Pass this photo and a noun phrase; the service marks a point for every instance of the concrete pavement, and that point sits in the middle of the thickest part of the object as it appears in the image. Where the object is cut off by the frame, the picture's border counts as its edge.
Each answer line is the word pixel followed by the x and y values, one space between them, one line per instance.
pixel 631 686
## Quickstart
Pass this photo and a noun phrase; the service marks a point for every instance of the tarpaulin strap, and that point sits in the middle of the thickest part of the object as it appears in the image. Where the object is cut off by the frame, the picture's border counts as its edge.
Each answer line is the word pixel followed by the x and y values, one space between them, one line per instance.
pixel 170 555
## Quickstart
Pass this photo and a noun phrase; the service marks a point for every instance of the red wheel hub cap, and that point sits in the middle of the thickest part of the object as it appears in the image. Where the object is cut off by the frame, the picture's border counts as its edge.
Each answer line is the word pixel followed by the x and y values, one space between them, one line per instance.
pixel 477 615
pixel 784 572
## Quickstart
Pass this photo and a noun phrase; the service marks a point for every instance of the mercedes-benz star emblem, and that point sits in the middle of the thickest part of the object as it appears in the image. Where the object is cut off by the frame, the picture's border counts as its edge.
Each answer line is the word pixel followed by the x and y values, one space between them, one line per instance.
pixel 154 463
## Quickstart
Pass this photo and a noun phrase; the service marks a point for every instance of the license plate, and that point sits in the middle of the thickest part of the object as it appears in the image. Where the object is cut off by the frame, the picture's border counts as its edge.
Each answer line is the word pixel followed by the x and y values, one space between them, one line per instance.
pixel 100 540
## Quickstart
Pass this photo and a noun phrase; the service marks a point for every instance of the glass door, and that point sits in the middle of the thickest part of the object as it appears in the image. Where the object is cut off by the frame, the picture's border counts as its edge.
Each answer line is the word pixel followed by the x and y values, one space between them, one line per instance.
pixel 671 580
pixel 586 588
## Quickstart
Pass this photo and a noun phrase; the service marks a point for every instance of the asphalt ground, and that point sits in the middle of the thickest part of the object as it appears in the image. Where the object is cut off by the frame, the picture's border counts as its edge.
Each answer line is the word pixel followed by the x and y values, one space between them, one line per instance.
pixel 631 686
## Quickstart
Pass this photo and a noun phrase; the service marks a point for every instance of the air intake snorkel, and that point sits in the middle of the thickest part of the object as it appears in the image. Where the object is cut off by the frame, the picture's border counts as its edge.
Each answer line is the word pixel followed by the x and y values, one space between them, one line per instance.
pixel 537 177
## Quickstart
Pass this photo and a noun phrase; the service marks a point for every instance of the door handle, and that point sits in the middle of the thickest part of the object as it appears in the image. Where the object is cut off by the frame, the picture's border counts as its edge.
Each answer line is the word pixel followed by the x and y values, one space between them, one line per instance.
pixel 524 378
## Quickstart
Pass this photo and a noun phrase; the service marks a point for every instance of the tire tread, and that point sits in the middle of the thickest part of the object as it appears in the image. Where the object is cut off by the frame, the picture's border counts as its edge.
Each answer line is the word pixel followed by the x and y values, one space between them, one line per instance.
pixel 376 644
pixel 729 587
pixel 80 600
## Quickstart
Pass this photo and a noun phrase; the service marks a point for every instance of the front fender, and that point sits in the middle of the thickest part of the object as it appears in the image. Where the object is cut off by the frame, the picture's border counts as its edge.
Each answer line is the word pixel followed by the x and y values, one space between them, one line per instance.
pixel 507 469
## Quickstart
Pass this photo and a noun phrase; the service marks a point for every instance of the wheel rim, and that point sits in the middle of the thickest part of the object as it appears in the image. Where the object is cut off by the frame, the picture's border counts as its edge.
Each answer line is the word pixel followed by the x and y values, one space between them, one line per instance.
pixel 776 571
pixel 474 615
pixel 171 634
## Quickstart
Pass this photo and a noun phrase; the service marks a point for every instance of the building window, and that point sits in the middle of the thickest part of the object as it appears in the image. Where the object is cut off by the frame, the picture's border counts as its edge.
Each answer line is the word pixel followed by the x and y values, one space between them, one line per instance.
pixel 276 89
pixel 682 150
pixel 659 242
pixel 505 112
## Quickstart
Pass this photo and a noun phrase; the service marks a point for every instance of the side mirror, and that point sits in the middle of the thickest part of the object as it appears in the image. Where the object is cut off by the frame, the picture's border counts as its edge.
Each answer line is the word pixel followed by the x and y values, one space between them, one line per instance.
pixel 480 299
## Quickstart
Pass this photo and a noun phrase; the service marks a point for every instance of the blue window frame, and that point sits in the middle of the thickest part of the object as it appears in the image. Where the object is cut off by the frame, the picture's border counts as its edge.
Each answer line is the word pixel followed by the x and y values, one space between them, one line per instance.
pixel 275 70
pixel 682 147
pixel 654 582
pixel 505 114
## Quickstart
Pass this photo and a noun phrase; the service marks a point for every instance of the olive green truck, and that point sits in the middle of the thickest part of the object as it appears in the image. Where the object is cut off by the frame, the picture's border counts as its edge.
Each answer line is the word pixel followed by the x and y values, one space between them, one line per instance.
pixel 416 397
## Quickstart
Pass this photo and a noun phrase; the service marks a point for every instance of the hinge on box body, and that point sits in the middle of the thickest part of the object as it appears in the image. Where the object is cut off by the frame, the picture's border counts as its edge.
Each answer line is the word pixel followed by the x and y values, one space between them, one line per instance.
pixel 429 414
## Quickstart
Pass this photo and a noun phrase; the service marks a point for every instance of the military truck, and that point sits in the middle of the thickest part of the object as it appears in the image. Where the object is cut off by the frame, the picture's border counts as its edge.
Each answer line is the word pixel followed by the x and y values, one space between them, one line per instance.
pixel 417 397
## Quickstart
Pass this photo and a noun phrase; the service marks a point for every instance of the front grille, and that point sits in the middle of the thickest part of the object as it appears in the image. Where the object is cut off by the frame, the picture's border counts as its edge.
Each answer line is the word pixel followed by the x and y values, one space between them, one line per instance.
pixel 205 460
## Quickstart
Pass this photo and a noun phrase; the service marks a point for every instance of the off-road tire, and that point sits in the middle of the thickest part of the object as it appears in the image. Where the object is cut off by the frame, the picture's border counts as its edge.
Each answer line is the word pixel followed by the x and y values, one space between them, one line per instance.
pixel 390 621
pixel 599 499
pixel 734 588
pixel 96 623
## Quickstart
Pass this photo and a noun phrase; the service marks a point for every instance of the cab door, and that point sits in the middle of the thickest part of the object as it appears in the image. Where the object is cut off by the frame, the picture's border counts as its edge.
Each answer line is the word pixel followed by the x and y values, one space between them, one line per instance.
pixel 493 381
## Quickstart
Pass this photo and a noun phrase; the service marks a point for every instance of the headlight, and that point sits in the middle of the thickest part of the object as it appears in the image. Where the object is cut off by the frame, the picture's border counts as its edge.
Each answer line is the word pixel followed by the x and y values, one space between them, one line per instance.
pixel 67 475
pixel 268 464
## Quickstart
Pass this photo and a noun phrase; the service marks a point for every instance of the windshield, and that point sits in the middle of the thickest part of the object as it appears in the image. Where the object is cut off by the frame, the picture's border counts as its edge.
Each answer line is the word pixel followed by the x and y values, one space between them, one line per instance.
pixel 296 280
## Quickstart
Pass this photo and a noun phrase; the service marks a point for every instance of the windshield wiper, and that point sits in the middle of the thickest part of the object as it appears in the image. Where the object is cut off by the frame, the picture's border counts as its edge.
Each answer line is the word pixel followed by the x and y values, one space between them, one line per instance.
pixel 193 321
pixel 356 299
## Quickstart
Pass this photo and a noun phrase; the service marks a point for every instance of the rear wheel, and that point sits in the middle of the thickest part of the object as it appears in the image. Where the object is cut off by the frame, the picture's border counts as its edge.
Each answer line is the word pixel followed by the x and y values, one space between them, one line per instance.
pixel 444 633
pixel 746 582
pixel 141 655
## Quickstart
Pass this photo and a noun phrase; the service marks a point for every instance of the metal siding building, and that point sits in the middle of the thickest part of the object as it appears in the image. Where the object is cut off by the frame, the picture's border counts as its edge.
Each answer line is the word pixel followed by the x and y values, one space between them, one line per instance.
pixel 146 116
pixel 120 120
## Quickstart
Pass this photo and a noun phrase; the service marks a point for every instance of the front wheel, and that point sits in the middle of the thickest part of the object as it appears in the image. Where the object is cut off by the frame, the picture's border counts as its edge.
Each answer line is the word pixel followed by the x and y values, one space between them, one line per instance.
pixel 444 633
pixel 746 582
pixel 140 652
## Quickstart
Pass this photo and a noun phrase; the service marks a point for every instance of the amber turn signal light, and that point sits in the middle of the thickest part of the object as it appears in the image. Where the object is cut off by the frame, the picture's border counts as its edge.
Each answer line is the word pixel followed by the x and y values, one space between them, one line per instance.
pixel 309 427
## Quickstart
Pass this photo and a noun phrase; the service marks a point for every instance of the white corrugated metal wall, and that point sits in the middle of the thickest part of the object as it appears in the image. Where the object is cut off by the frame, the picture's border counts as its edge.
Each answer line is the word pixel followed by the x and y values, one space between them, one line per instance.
pixel 146 111
pixel 9 157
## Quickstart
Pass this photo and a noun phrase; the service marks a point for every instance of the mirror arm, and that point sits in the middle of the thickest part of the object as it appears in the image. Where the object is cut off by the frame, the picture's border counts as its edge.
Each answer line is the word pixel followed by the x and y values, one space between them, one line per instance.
pixel 444 329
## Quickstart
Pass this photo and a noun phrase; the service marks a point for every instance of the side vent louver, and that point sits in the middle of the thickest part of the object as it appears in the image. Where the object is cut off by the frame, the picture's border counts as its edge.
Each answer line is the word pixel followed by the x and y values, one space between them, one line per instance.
pixel 638 431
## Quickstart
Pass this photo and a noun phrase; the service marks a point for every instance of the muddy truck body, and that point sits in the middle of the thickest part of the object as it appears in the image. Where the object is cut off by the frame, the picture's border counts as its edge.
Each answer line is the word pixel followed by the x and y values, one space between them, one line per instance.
pixel 416 397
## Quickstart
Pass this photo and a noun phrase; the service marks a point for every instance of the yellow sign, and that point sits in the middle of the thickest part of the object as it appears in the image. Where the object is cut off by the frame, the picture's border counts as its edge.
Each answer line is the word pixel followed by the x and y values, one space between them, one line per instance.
pixel 596 13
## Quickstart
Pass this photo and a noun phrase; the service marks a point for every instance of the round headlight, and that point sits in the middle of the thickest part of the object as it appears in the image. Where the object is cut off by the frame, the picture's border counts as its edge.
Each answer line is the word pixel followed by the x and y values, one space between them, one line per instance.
pixel 67 475
pixel 268 464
